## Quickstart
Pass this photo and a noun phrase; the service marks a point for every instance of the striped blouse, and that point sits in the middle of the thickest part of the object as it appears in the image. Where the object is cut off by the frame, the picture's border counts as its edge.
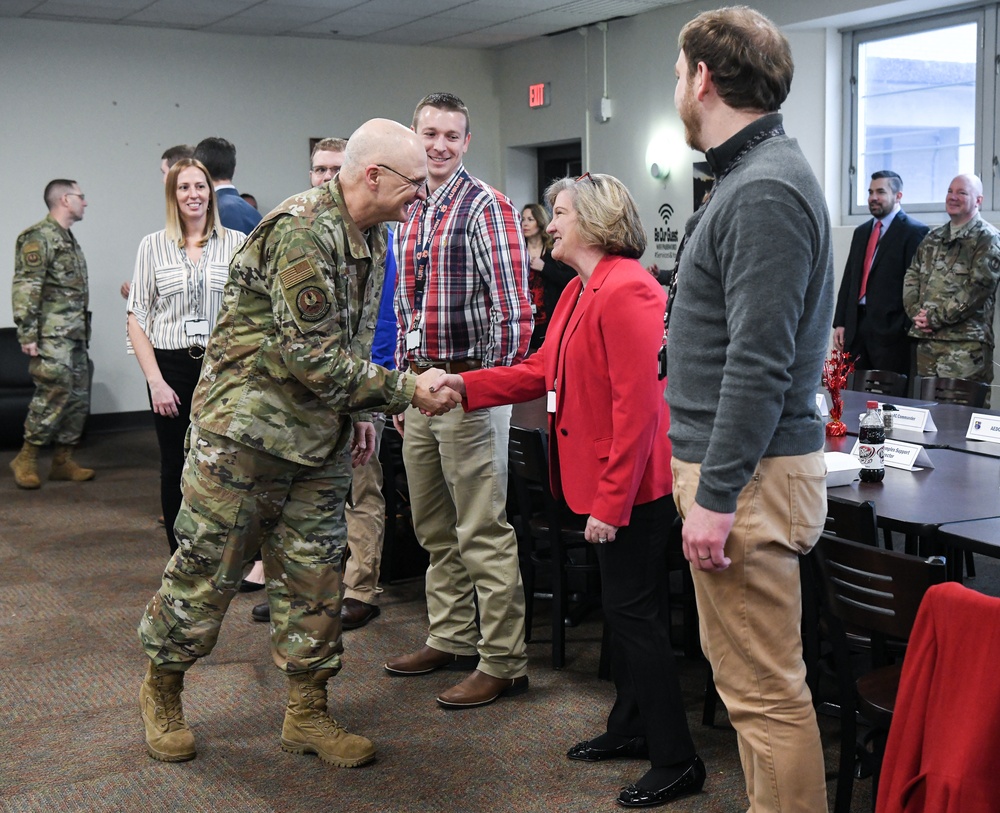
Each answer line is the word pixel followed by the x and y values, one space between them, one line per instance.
pixel 165 296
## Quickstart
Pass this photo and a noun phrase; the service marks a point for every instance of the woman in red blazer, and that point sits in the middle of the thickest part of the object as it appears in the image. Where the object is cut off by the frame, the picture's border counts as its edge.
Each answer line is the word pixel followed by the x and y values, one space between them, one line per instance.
pixel 609 458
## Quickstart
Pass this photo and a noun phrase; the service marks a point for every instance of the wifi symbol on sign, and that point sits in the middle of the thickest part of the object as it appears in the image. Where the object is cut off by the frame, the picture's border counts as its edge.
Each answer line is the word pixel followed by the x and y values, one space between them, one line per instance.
pixel 666 210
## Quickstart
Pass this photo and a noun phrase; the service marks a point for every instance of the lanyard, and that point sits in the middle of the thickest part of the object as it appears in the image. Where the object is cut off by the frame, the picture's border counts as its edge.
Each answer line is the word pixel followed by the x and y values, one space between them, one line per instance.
pixel 423 257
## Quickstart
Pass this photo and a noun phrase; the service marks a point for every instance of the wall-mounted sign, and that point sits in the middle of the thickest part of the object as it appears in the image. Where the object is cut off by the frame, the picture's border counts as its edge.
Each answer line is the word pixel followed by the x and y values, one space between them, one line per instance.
pixel 665 239
pixel 540 95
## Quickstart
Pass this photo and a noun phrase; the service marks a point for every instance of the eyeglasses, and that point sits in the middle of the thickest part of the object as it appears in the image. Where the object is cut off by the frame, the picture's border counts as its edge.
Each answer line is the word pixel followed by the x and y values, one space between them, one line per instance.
pixel 322 170
pixel 80 195
pixel 417 184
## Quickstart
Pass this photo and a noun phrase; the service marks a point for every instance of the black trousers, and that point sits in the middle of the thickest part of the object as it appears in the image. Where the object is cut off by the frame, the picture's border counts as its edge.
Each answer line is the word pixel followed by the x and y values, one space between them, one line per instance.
pixel 181 372
pixel 871 352
pixel 636 608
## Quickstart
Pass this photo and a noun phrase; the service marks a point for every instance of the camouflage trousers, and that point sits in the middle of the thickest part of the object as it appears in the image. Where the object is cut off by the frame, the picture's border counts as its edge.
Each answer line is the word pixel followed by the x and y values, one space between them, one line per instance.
pixel 236 501
pixel 973 360
pixel 61 401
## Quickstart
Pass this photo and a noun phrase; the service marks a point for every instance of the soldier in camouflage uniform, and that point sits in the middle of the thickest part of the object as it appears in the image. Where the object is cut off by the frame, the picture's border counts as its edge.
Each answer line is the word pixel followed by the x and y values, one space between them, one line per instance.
pixel 950 288
pixel 50 310
pixel 286 373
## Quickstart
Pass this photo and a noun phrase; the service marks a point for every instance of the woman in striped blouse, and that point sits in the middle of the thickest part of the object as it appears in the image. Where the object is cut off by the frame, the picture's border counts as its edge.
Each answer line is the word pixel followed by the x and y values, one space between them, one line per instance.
pixel 176 293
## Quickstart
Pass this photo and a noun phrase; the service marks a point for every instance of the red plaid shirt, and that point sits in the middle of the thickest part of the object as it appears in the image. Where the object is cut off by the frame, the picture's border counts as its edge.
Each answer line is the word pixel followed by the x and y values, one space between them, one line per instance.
pixel 475 301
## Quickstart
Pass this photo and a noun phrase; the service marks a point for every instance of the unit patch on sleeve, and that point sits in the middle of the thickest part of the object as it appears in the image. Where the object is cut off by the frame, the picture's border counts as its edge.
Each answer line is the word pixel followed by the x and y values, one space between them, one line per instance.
pixel 31 253
pixel 313 303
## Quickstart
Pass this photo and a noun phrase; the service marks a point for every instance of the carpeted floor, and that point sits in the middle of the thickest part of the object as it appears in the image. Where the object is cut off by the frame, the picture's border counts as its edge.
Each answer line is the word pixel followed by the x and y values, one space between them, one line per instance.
pixel 78 563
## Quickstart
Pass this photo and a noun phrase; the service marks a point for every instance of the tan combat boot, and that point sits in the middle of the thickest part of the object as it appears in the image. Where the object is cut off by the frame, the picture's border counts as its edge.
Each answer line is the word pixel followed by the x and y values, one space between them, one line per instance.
pixel 308 729
pixel 168 737
pixel 25 467
pixel 64 468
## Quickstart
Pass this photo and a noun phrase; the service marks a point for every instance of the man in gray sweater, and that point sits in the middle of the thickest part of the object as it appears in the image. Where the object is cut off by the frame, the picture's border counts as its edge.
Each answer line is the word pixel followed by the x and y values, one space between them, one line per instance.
pixel 748 333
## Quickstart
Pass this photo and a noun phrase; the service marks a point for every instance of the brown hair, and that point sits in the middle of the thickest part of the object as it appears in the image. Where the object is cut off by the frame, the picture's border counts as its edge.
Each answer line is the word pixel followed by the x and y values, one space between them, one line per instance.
pixel 443 101
pixel 328 145
pixel 748 56
pixel 542 219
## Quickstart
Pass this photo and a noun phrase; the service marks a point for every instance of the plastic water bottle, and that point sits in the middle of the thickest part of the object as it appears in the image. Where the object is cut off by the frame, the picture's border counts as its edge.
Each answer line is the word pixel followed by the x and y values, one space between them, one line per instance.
pixel 871 442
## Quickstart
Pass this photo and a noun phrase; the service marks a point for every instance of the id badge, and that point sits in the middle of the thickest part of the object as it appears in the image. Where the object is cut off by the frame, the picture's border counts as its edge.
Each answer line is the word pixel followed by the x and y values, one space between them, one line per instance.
pixel 196 327
pixel 550 402
pixel 413 340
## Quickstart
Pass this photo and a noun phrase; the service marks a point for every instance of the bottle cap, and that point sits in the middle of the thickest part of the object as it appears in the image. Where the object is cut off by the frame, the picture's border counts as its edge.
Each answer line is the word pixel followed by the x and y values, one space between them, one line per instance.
pixel 873 405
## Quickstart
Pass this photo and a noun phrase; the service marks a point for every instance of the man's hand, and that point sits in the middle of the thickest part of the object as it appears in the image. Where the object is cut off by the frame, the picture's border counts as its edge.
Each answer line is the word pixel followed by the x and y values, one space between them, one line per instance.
pixel 705 534
pixel 363 444
pixel 125 289
pixel 30 349
pixel 921 322
pixel 431 400
pixel 399 422
pixel 838 338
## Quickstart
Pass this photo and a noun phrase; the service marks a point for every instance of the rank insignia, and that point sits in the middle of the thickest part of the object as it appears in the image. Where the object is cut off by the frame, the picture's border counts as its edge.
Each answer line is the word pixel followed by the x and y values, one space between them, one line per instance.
pixel 312 303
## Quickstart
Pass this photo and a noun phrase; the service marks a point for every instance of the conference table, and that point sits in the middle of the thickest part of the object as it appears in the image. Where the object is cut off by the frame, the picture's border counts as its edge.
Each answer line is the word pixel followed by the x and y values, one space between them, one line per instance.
pixel 961 491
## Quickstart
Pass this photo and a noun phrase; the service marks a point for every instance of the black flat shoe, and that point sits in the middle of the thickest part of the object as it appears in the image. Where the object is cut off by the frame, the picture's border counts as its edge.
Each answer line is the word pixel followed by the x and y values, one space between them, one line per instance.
pixel 689 782
pixel 635 748
pixel 250 587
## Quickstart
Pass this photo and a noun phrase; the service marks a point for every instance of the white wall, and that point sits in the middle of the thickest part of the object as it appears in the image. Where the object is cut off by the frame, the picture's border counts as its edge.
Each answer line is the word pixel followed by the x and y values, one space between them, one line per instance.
pixel 99 104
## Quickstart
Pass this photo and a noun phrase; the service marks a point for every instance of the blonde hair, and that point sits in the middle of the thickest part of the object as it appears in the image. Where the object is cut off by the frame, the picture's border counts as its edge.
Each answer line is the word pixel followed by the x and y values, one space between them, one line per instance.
pixel 606 213
pixel 175 225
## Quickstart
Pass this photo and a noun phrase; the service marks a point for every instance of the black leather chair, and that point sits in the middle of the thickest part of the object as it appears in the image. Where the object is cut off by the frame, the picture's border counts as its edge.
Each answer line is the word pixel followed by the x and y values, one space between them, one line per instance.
pixel 16 388
pixel 877 592
pixel 954 391
pixel 879 382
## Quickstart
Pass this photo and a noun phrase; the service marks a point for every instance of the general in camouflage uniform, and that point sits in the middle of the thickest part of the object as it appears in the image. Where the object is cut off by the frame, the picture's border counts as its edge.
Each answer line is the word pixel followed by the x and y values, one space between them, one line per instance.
pixel 50 301
pixel 286 373
pixel 949 290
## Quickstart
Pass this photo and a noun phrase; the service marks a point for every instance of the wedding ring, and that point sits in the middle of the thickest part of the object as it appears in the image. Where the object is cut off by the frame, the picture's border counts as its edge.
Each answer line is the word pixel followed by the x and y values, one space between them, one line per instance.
pixel 703 558
pixel 603 540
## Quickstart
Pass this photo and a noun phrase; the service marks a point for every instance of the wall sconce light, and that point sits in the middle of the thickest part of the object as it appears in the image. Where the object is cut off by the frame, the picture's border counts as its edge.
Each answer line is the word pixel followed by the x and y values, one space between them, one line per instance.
pixel 659 155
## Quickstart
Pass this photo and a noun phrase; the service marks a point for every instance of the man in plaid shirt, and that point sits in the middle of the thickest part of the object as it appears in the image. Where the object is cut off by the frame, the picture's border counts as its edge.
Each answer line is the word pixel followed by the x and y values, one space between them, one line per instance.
pixel 462 304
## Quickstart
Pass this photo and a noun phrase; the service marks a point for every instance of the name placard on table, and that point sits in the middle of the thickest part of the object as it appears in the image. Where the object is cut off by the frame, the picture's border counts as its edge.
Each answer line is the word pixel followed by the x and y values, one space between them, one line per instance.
pixel 984 427
pixel 914 419
pixel 899 455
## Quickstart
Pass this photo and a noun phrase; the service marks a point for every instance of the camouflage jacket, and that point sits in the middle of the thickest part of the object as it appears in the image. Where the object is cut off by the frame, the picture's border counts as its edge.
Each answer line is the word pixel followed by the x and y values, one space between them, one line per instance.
pixel 954 275
pixel 50 296
pixel 289 359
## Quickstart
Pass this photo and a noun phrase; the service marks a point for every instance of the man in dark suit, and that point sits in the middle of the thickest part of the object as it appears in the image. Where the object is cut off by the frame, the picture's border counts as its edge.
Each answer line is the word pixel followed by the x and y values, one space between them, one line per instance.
pixel 219 158
pixel 869 321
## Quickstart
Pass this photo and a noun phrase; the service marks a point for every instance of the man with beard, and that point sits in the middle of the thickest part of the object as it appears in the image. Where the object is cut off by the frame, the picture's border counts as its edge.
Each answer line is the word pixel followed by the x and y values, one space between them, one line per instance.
pixel 751 301
pixel 869 321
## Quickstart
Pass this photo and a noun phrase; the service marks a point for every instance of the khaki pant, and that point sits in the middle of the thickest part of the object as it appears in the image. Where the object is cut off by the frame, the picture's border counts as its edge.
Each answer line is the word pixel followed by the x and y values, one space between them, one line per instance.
pixel 238 500
pixel 366 527
pixel 456 470
pixel 751 615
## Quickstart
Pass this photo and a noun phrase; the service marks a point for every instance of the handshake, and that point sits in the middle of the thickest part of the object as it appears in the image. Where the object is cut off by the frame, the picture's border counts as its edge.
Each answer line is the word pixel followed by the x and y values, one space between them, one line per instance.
pixel 438 392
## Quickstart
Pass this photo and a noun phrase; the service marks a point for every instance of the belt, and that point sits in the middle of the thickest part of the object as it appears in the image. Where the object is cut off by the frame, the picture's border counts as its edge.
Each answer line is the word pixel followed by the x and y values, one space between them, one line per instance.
pixel 195 351
pixel 461 366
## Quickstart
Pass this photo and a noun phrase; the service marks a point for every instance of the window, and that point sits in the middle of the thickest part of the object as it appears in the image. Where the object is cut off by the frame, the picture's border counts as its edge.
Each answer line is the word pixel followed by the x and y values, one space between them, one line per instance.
pixel 915 93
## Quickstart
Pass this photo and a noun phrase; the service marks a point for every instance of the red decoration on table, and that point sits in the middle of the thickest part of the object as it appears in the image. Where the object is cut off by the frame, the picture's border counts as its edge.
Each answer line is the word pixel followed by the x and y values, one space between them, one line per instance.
pixel 836 369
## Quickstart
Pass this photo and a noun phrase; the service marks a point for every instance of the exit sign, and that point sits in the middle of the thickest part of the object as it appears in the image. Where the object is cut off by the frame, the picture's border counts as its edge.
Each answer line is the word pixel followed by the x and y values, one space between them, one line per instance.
pixel 539 95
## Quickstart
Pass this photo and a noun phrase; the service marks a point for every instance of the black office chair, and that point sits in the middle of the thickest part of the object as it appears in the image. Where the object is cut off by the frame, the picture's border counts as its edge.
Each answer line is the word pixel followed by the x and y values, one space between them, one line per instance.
pixel 549 532
pixel 879 382
pixel 954 391
pixel 876 591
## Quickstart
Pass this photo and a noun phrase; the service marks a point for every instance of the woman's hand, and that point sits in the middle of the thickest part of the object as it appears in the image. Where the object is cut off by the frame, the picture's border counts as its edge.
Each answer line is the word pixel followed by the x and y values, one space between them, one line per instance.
pixel 537 264
pixel 165 400
pixel 598 532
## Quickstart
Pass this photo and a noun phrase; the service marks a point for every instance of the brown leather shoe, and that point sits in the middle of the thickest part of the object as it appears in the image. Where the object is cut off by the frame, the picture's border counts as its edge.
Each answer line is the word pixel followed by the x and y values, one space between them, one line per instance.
pixel 354 613
pixel 480 689
pixel 426 660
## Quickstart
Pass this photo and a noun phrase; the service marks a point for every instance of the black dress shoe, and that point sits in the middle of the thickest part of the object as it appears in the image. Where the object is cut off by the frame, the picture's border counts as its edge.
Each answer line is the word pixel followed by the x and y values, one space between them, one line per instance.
pixel 635 748
pixel 250 587
pixel 355 613
pixel 261 612
pixel 689 782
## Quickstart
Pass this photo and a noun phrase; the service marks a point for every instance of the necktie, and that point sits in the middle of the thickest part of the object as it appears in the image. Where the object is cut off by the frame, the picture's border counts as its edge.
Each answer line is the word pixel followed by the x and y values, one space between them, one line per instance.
pixel 869 255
